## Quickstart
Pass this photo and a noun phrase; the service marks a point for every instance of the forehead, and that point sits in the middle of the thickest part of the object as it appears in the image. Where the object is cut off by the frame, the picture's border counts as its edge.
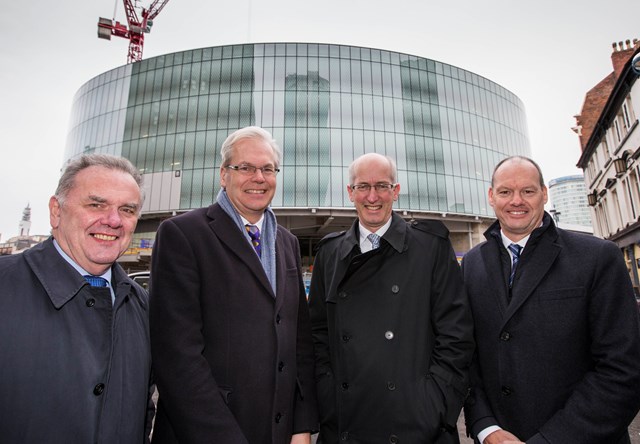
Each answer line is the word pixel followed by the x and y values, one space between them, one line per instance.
pixel 516 173
pixel 373 169
pixel 253 151
pixel 106 183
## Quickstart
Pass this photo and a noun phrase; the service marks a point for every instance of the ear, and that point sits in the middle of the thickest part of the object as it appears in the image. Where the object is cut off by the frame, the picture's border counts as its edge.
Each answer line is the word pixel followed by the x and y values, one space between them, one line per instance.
pixel 491 201
pixel 396 192
pixel 54 212
pixel 223 177
pixel 350 192
pixel 545 194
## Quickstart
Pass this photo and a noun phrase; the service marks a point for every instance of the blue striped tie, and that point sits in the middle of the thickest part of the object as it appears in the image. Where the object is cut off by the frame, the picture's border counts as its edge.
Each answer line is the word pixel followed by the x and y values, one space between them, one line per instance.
pixel 375 240
pixel 96 281
pixel 515 251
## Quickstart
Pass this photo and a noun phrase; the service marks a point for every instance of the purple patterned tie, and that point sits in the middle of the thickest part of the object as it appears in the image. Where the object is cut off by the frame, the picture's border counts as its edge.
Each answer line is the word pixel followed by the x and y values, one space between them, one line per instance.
pixel 254 234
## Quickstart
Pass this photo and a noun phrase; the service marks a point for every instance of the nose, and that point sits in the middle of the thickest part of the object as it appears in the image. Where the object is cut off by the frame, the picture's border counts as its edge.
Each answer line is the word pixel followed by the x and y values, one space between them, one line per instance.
pixel 372 195
pixel 112 218
pixel 258 176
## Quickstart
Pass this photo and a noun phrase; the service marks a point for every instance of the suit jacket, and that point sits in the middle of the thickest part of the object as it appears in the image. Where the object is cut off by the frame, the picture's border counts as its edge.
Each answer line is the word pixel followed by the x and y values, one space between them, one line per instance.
pixel 233 363
pixel 393 335
pixel 74 367
pixel 559 363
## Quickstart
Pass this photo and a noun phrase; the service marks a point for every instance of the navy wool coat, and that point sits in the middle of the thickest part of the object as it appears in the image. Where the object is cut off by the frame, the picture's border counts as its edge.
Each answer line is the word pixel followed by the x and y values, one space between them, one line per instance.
pixel 73 367
pixel 233 363
pixel 560 362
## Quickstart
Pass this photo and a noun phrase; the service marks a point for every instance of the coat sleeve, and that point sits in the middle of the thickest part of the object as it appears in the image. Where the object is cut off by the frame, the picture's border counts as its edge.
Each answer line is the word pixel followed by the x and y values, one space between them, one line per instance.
pixel 607 398
pixel 453 328
pixel 305 404
pixel 189 394
pixel 320 330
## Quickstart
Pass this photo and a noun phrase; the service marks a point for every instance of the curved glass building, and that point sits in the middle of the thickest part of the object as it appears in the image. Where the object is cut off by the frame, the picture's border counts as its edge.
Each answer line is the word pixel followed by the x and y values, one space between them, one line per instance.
pixel 325 105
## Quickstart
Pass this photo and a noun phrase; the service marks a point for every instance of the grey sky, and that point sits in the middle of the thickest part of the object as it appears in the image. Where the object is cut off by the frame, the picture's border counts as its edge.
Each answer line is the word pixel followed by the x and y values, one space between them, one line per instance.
pixel 549 53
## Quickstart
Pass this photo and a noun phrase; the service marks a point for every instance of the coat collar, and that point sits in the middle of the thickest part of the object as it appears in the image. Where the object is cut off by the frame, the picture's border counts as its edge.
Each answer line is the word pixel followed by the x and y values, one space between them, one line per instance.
pixel 61 281
pixel 224 228
pixel 537 259
pixel 395 236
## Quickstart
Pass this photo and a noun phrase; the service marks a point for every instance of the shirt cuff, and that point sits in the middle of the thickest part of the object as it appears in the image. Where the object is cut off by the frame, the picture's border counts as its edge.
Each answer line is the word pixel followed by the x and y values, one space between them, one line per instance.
pixel 482 435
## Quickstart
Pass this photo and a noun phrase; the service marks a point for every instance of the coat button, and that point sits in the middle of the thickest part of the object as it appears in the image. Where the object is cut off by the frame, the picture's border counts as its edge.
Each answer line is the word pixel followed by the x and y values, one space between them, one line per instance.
pixel 505 336
pixel 90 302
pixel 506 391
pixel 346 338
pixel 280 366
pixel 388 334
pixel 344 436
pixel 391 386
pixel 342 294
pixel 278 417
pixel 98 389
pixel 395 289
pixel 345 386
pixel 277 319
pixel 393 439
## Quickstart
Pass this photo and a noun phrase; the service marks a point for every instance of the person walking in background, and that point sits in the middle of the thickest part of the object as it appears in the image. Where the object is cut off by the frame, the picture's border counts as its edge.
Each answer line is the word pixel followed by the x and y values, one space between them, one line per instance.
pixel 391 322
pixel 75 361
pixel 556 325
pixel 230 333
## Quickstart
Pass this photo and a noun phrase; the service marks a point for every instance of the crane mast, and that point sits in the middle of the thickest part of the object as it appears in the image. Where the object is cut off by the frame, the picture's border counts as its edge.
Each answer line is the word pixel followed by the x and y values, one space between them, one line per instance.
pixel 134 30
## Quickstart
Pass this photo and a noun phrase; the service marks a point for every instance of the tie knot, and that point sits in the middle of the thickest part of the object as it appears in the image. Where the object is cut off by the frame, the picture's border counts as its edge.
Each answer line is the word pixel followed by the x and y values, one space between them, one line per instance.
pixel 96 281
pixel 375 240
pixel 515 249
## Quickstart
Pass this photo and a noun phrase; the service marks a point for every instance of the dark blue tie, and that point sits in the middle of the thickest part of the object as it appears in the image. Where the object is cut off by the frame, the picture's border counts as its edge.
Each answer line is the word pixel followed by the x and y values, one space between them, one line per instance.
pixel 515 251
pixel 96 281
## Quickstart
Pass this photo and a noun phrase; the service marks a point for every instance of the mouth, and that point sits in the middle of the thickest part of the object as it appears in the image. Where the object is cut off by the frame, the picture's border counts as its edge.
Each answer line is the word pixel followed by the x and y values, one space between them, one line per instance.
pixel 373 207
pixel 105 237
pixel 517 212
pixel 255 191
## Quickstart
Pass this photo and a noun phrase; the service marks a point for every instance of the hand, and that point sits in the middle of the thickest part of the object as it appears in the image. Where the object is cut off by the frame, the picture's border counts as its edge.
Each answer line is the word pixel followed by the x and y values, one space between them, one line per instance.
pixel 301 438
pixel 502 437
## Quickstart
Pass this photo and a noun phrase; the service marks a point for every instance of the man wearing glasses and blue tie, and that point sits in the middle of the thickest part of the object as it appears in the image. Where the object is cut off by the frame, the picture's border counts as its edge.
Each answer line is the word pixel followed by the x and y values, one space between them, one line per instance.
pixel 391 322
pixel 230 334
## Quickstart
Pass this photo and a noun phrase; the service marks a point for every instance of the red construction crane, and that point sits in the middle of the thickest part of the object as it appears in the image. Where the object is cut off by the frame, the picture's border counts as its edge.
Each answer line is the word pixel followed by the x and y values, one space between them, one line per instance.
pixel 136 30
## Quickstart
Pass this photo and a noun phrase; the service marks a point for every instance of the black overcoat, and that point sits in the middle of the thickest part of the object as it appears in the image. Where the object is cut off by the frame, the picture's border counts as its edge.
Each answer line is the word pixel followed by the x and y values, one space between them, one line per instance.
pixel 560 362
pixel 393 336
pixel 233 364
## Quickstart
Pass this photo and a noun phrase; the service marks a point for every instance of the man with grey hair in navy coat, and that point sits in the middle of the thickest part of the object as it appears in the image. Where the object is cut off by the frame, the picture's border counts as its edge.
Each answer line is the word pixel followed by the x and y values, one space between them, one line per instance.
pixel 75 360
pixel 556 325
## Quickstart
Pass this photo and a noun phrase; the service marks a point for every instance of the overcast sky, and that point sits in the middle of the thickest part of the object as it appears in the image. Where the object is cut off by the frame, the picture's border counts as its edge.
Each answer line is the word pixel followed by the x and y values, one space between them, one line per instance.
pixel 549 53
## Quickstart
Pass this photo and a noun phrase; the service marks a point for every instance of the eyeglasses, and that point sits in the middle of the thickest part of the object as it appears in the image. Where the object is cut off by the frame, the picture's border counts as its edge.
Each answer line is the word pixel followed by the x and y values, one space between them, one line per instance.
pixel 379 187
pixel 250 170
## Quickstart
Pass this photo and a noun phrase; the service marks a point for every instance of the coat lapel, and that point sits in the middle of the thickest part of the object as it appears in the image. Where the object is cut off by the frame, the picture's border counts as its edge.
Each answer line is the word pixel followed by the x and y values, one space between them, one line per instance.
pixel 229 234
pixel 534 266
pixel 491 257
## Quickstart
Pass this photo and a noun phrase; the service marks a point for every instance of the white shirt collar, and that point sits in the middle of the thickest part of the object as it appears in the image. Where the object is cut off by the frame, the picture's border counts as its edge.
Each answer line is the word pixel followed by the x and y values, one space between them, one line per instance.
pixel 365 244
pixel 257 224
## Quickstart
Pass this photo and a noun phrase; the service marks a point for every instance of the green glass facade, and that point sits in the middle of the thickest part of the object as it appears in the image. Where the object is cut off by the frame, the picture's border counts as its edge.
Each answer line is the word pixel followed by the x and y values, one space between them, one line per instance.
pixel 324 104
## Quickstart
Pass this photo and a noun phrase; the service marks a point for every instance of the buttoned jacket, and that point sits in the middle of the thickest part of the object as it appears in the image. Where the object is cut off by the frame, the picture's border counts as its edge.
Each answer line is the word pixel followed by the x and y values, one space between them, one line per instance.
pixel 73 367
pixel 233 361
pixel 557 361
pixel 393 336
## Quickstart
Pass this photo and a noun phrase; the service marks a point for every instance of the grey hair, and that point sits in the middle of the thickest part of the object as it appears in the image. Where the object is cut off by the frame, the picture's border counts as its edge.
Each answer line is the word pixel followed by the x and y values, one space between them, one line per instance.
pixel 521 159
pixel 249 132
pixel 354 164
pixel 66 182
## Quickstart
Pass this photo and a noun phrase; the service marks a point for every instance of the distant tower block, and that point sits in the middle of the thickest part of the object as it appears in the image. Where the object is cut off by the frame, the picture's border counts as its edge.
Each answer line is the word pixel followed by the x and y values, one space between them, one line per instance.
pixel 25 223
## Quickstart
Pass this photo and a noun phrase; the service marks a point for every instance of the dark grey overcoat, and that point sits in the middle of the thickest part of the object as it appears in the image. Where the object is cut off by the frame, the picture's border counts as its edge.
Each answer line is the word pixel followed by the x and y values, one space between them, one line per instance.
pixel 393 336
pixel 560 363
pixel 233 364
pixel 73 368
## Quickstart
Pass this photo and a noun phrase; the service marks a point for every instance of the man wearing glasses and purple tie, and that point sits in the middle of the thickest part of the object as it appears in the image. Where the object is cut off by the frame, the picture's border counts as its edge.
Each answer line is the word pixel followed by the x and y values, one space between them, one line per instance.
pixel 230 334
pixel 391 322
